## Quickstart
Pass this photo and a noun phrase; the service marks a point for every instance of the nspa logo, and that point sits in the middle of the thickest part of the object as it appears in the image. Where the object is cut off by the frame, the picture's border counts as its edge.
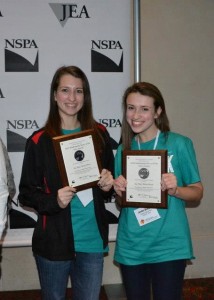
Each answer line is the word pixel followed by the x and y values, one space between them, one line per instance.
pixel 1 94
pixel 106 56
pixel 112 123
pixel 65 11
pixel 15 141
pixel 21 55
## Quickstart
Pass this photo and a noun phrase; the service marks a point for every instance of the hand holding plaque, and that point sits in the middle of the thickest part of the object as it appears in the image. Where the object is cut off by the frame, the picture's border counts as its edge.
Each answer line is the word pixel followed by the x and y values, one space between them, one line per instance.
pixel 78 159
pixel 143 170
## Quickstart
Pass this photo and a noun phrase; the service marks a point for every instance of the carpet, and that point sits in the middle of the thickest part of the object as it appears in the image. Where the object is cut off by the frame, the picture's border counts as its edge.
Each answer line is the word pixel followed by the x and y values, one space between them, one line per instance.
pixel 199 289
pixel 35 295
pixel 194 289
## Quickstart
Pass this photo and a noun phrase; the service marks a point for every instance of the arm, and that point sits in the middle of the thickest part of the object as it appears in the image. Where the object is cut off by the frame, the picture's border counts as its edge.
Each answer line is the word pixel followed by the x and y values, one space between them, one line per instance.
pixel 191 192
pixel 4 193
pixel 38 165
pixel 10 176
pixel 184 183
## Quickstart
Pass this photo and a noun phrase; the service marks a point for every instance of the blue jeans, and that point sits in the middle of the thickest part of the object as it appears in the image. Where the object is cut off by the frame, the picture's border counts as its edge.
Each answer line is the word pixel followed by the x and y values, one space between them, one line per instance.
pixel 86 276
pixel 165 280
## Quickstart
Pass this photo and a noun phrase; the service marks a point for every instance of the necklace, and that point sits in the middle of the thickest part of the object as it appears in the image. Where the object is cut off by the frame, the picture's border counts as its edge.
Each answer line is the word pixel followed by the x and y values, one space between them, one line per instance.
pixel 156 140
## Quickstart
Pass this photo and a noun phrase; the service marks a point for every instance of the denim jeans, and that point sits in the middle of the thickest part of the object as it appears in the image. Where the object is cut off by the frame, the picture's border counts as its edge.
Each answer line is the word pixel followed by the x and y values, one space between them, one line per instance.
pixel 86 276
pixel 165 279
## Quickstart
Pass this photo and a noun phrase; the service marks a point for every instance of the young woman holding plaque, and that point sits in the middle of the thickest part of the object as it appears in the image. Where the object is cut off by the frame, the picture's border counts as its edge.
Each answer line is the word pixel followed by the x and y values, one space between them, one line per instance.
pixel 152 254
pixel 71 233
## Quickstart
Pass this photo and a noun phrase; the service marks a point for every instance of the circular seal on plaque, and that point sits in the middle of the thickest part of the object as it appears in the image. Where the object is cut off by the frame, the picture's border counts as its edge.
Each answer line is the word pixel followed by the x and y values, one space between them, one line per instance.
pixel 79 155
pixel 143 173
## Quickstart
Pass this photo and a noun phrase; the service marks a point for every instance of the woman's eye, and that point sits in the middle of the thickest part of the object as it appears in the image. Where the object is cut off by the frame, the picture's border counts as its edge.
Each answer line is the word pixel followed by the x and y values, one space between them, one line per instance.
pixel 145 109
pixel 79 91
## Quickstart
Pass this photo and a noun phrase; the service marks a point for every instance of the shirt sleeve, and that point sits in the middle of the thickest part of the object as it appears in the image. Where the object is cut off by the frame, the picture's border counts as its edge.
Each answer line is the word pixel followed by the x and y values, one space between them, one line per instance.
pixel 33 189
pixel 188 162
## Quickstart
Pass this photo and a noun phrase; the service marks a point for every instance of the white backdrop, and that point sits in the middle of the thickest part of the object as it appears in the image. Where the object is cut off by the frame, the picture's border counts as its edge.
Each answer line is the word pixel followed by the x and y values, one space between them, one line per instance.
pixel 36 38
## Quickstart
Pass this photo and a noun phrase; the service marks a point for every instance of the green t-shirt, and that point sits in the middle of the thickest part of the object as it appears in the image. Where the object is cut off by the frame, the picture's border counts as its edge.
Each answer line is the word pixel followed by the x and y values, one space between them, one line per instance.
pixel 167 238
pixel 85 229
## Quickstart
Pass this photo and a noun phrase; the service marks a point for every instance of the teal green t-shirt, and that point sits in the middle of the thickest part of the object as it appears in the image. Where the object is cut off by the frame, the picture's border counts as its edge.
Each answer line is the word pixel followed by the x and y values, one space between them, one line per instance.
pixel 167 238
pixel 85 229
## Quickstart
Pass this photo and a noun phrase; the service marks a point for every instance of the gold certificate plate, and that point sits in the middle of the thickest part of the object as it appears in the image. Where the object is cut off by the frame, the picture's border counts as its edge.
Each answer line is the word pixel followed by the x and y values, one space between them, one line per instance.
pixel 143 170
pixel 78 159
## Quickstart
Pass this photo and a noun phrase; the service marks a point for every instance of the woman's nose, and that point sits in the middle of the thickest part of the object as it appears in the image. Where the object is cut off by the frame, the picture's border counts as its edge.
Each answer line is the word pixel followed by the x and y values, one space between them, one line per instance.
pixel 136 114
pixel 71 95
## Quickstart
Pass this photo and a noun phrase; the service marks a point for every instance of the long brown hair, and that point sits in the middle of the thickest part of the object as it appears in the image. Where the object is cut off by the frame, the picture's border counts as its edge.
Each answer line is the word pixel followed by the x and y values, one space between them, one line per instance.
pixel 85 115
pixel 146 89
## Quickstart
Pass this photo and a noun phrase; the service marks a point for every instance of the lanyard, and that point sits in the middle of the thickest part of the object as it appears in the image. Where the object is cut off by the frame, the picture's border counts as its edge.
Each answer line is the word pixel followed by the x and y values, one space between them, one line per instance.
pixel 156 140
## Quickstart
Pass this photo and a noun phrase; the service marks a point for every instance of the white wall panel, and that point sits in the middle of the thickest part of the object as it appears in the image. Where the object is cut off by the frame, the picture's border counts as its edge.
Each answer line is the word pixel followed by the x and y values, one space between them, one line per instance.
pixel 36 38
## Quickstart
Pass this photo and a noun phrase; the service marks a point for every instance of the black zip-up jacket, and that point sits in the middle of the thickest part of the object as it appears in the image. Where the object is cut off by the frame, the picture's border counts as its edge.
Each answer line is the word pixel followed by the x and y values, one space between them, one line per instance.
pixel 40 181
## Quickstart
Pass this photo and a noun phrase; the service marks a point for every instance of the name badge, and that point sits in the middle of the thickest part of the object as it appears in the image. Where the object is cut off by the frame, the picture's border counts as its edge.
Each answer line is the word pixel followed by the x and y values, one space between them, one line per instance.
pixel 146 215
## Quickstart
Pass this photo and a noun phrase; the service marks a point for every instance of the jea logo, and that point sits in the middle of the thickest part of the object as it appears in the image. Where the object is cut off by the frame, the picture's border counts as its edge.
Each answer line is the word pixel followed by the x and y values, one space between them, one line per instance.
pixel 65 11
pixel 15 141
pixel 21 55
pixel 106 56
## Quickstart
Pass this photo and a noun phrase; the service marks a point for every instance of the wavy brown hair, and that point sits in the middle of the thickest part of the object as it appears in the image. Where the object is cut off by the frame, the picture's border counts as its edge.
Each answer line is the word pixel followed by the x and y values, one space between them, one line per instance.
pixel 146 89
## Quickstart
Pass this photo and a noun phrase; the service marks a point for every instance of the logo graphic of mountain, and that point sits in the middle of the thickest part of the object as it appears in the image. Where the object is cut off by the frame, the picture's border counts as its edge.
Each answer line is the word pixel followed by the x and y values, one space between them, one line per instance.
pixel 57 9
pixel 15 142
pixel 63 11
pixel 102 63
pixel 15 62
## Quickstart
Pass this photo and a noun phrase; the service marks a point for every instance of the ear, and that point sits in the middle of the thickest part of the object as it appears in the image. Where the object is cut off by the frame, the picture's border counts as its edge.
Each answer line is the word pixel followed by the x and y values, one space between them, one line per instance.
pixel 158 112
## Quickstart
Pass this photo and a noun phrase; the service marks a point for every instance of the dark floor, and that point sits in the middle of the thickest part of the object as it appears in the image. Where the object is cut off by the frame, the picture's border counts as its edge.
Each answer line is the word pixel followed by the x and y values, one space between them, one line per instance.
pixel 194 289
pixel 35 295
pixel 199 289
